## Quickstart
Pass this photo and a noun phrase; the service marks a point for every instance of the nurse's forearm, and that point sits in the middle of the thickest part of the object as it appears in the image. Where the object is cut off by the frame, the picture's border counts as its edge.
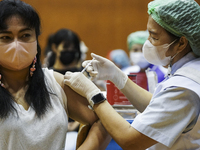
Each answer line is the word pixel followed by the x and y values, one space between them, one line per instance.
pixel 138 96
pixel 120 130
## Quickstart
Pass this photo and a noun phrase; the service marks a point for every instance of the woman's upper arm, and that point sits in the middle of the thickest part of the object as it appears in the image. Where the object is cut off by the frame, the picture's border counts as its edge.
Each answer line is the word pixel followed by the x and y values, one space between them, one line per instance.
pixel 76 105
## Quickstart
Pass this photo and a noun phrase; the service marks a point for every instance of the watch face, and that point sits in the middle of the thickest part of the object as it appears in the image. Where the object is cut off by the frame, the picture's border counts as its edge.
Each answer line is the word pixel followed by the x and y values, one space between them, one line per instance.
pixel 97 99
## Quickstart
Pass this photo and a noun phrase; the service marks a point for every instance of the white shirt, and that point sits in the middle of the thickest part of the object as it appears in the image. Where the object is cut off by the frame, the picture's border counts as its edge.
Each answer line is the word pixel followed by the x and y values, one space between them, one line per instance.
pixel 27 132
pixel 172 117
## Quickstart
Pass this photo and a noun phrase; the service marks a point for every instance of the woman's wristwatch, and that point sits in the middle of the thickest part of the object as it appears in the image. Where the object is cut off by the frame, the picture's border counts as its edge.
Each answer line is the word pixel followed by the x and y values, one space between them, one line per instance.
pixel 96 99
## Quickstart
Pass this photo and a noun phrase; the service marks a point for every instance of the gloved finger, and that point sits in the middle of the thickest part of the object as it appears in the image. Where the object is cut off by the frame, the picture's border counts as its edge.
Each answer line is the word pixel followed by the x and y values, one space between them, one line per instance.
pixel 99 58
pixel 66 82
pixel 93 73
pixel 67 75
pixel 70 78
pixel 84 64
pixel 67 78
pixel 90 69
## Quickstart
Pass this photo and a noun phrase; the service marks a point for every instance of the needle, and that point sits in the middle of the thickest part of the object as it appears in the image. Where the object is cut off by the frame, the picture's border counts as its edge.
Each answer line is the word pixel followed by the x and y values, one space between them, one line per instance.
pixel 87 65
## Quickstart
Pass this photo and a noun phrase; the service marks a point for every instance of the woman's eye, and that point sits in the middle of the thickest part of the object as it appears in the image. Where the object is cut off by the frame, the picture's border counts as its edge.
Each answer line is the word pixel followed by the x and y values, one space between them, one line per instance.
pixel 26 35
pixel 5 38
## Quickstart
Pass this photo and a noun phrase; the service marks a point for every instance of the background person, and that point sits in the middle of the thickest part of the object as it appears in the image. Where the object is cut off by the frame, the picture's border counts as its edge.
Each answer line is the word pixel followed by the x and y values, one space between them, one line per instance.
pixel 170 117
pixel 66 50
pixel 135 43
pixel 119 58
pixel 65 53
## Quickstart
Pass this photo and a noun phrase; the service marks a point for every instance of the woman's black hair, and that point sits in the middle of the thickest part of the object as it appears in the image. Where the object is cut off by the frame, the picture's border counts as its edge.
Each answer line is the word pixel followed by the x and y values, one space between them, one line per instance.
pixel 70 39
pixel 37 94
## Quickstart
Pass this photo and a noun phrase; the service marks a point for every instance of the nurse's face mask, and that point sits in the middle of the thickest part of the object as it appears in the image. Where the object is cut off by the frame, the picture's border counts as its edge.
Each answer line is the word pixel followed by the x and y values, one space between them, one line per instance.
pixel 156 54
pixel 17 55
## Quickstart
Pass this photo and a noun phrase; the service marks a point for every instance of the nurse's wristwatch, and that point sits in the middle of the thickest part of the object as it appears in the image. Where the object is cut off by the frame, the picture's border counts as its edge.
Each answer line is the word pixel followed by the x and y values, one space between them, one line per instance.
pixel 96 99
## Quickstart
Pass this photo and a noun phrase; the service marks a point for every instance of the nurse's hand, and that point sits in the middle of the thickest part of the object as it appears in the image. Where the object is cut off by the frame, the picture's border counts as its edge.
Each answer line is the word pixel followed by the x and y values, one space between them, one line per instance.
pixel 81 84
pixel 104 69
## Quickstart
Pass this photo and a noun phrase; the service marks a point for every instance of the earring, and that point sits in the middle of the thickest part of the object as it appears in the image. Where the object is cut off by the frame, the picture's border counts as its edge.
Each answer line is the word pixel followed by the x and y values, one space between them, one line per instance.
pixel 32 69
pixel 1 82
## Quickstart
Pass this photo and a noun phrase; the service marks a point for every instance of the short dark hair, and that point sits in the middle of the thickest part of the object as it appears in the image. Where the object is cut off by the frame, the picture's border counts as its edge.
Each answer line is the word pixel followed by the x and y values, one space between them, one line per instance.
pixel 70 38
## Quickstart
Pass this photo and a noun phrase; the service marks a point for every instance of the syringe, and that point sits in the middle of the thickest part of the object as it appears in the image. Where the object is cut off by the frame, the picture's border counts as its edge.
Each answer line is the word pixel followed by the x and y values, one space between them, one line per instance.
pixel 87 65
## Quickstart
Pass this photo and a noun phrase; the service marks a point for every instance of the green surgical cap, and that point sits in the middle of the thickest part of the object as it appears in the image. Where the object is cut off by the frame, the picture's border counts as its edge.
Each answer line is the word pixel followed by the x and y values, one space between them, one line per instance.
pixel 180 17
pixel 138 37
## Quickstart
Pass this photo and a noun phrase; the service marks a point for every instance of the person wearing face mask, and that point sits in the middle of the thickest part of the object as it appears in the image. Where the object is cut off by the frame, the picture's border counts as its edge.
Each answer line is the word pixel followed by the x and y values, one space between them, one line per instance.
pixel 66 56
pixel 65 51
pixel 34 103
pixel 119 58
pixel 135 43
pixel 169 118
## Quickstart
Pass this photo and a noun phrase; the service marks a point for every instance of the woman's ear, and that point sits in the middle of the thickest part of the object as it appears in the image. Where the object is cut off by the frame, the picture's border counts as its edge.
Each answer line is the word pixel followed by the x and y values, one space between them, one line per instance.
pixel 182 44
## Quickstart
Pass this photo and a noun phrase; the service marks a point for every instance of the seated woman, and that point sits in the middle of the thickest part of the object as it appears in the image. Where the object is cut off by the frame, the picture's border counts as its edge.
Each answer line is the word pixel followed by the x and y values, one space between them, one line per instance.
pixel 34 102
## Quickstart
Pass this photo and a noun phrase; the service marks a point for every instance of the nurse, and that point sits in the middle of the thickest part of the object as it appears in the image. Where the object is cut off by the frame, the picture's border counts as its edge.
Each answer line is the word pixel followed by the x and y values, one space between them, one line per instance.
pixel 169 118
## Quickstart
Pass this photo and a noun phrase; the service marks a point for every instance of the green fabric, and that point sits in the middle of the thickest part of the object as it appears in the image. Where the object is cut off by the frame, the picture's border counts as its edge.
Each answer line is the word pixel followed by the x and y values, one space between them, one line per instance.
pixel 180 17
pixel 138 37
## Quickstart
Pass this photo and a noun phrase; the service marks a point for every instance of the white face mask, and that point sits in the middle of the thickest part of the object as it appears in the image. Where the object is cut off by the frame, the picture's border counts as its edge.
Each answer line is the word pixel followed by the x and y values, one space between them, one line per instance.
pixel 137 58
pixel 17 55
pixel 156 54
